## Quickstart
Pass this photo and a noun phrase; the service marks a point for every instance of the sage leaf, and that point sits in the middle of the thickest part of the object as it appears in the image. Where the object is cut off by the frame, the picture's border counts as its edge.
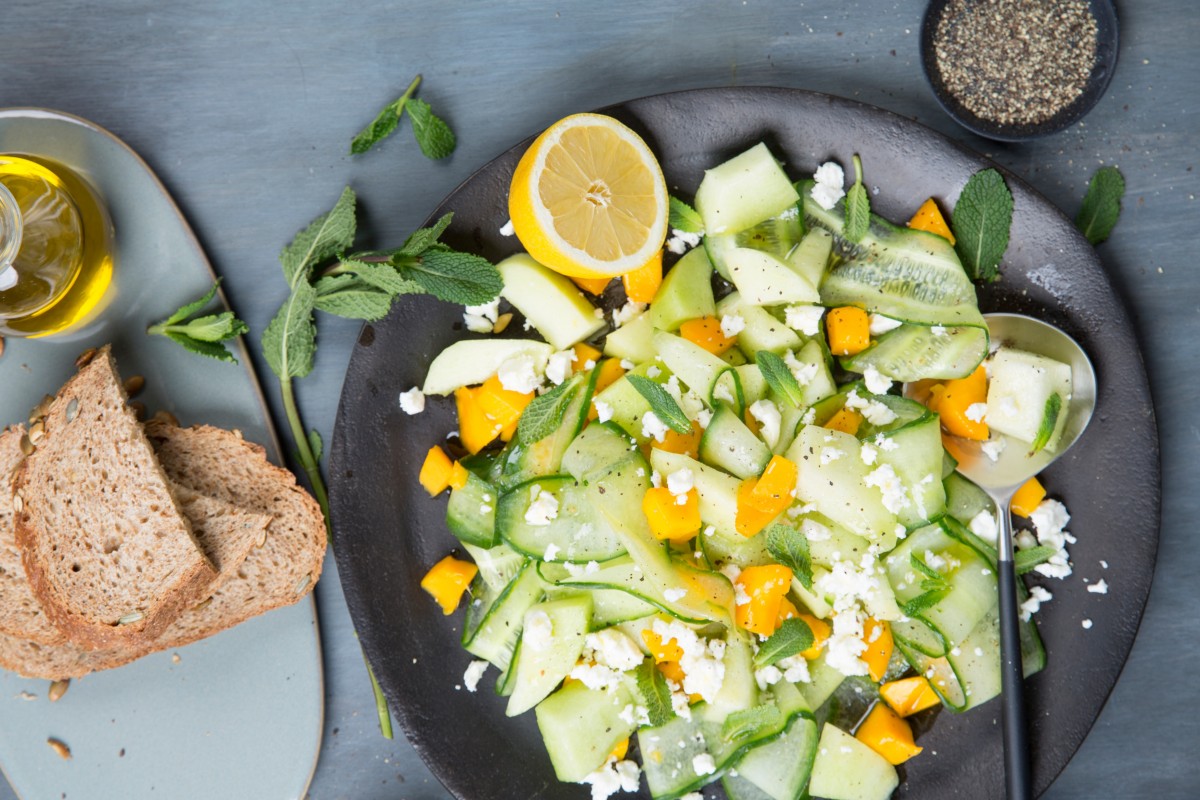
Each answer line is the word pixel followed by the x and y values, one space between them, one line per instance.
pixel 661 403
pixel 682 217
pixel 1025 560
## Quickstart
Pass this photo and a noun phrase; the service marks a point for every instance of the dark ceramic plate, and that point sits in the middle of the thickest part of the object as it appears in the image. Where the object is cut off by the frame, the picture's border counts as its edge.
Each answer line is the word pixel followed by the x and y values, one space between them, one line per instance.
pixel 389 532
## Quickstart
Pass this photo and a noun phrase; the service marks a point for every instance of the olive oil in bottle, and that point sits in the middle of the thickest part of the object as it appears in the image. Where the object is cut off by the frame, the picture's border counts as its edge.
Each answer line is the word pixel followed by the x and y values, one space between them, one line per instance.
pixel 56 260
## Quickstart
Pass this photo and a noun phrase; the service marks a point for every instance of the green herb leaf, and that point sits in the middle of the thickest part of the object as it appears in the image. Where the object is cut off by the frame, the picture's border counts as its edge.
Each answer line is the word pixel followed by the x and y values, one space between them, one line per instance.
pixel 422 239
pixel 981 221
pixel 188 309
pixel 348 296
pixel 779 377
pixel 325 237
pixel 202 335
pixel 923 601
pixel 315 444
pixel 858 206
pixel 199 347
pixel 792 637
pixel 920 566
pixel 683 217
pixel 1049 423
pixel 1101 204
pixel 543 416
pixel 290 340
pixel 1025 560
pixel 656 696
pixel 789 547
pixel 384 123
pixel 661 403
pixel 382 276
pixel 452 276
pixel 431 131
pixel 750 723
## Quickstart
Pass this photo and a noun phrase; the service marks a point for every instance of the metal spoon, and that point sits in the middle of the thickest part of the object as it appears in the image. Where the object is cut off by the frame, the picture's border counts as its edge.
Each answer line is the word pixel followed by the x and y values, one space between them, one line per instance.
pixel 1001 479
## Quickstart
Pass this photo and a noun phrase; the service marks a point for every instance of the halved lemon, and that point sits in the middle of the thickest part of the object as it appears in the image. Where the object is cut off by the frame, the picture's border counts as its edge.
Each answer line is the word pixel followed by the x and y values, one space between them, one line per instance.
pixel 588 198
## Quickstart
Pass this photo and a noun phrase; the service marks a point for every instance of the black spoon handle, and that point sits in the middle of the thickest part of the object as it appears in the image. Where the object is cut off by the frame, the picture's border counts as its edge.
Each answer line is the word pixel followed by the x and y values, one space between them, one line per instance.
pixel 1012 697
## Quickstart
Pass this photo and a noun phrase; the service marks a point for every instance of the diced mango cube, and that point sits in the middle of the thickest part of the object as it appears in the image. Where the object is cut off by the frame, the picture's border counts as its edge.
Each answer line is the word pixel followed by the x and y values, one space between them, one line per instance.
pixel 447 580
pixel 706 332
pixel 1028 498
pixel 669 519
pixel 766 586
pixel 929 218
pixel 907 696
pixel 642 284
pixel 848 329
pixel 887 734
pixel 435 471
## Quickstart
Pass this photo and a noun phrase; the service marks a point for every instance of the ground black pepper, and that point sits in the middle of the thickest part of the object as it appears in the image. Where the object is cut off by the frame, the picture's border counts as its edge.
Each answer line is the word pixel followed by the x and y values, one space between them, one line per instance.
pixel 1015 62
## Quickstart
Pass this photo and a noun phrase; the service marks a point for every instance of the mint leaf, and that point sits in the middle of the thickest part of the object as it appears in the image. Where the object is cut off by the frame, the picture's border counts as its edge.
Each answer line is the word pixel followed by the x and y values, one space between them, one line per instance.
pixel 200 347
pixel 656 696
pixel 382 276
pixel 683 217
pixel 1049 422
pixel 661 403
pixel 315 444
pixel 779 377
pixel 789 547
pixel 432 133
pixel 1101 204
pixel 792 637
pixel 384 123
pixel 858 207
pixel 324 238
pixel 1025 560
pixel 290 340
pixel 202 335
pixel 750 723
pixel 452 276
pixel 923 601
pixel 543 416
pixel 188 309
pixel 348 296
pixel 422 239
pixel 920 566
pixel 981 221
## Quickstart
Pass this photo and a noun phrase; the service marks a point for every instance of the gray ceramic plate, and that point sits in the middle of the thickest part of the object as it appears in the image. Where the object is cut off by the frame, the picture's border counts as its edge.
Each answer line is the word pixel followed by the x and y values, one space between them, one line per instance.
pixel 237 715
pixel 1109 480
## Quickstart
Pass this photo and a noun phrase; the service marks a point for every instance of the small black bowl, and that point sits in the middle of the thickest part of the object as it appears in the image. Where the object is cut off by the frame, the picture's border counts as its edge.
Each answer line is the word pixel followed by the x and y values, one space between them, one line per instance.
pixel 1102 72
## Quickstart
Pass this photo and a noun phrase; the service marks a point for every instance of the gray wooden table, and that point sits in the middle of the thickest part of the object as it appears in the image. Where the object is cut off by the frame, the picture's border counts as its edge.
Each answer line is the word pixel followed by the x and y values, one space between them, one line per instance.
pixel 245 109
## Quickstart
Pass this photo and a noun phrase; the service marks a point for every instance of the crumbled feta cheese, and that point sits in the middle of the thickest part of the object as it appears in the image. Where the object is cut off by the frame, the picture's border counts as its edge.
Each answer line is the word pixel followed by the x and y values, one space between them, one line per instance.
pixel 884 478
pixel 878 324
pixel 805 319
pixel 803 373
pixel 703 660
pixel 983 525
pixel 551 552
pixel 732 325
pixel 849 585
pixel 831 454
pixel 613 649
pixel 767 676
pixel 815 531
pixel 558 367
pixel 795 669
pixel 829 179
pixel 704 417
pixel 543 507
pixel 1087 624
pixel 769 420
pixel 674 595
pixel 474 672
pixel 627 365
pixel 868 454
pixel 877 382
pixel 653 427
pixel 1049 520
pixel 976 412
pixel 680 482
pixel 627 312
pixel 538 631
pixel 703 764
pixel 654 372
pixel 938 330
pixel 519 374
pixel 721 392
pixel 992 448
pixel 875 412
pixel 682 241
pixel 507 229
pixel 615 776
pixel 412 401
pixel 1099 587
pixel 604 411
pixel 482 318
pixel 1037 596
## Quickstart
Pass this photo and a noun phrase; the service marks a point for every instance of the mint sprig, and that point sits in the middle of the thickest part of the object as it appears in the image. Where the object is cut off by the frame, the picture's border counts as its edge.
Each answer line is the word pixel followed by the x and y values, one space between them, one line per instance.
pixel 781 380
pixel 656 696
pixel 544 415
pixel 791 637
pixel 682 217
pixel 433 135
pixel 661 403
pixel 789 547
pixel 1101 204
pixel 981 221
pixel 202 335
pixel 1025 560
pixel 858 206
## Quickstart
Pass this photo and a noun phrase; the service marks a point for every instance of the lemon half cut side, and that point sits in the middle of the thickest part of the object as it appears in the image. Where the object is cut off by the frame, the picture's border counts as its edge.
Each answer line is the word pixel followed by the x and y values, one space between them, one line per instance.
pixel 588 198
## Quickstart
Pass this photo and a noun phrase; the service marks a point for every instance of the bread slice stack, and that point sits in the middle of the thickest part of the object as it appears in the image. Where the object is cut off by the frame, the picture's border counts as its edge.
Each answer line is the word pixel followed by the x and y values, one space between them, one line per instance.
pixel 118 539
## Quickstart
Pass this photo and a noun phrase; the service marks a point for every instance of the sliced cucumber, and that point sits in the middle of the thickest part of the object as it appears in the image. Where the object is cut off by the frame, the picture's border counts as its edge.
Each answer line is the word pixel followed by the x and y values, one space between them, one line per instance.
pixel 776 237
pixel 686 293
pixel 492 628
pixel 846 769
pixel 497 565
pixel 472 361
pixel 551 303
pixel 541 666
pixel 575 533
pixel 717 491
pixel 699 369
pixel 915 454
pixel 964 500
pixel 780 769
pixel 810 259
pixel 729 445
pixel 762 332
pixel 595 450
pixel 744 191
pixel 823 681
pixel 581 726
pixel 633 341
pixel 764 280
pixel 916 352
pixel 471 512
pixel 1020 400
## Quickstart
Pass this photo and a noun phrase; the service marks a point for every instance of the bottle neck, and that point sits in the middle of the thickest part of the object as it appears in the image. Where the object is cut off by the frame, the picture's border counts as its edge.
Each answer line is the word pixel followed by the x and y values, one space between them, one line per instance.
pixel 10 228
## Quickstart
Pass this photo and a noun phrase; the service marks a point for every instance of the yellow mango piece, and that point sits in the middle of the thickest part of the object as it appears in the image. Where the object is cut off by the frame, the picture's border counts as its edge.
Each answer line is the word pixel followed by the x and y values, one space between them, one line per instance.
pixel 907 696
pixel 592 285
pixel 929 218
pixel 642 284
pixel 706 332
pixel 765 586
pixel 750 518
pixel 773 491
pixel 820 631
pixel 435 471
pixel 887 734
pixel 669 519
pixel 848 329
pixel 584 353
pixel 1028 498
pixel 502 405
pixel 661 651
pixel 458 476
pixel 878 638
pixel 475 428
pixel 845 420
pixel 955 401
pixel 685 443
pixel 447 580
pixel 620 750
pixel 787 610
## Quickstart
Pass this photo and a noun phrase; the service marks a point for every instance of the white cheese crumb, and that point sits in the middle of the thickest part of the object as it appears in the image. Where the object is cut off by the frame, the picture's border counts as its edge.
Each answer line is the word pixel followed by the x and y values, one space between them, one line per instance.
pixel 769 420
pixel 703 764
pixel 674 595
pixel 604 411
pixel 732 325
pixel 474 672
pixel 1037 596
pixel 976 411
pixel 1103 564
pixel 519 374
pixel 507 229
pixel 829 179
pixel 543 507
pixel 682 241
pixel 868 454
pixel 653 427
pixel 615 776
pixel 993 448
pixel 538 631
pixel 1087 624
pixel 938 330
pixel 803 373
pixel 878 324
pixel 627 312
pixel 884 478
pixel 831 454
pixel 482 318
pixel 558 367
pixel 877 382
pixel 1099 587
pixel 551 552
pixel 875 412
pixel 412 401
pixel 983 525
pixel 680 482
pixel 805 319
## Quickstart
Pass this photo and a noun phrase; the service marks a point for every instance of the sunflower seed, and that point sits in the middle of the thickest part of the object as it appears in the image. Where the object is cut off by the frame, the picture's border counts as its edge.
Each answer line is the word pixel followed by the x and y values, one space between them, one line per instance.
pixel 302 584
pixel 41 408
pixel 134 385
pixel 502 323
pixel 60 747
pixel 130 618
pixel 18 502
pixel 58 689
pixel 37 432
pixel 73 409
pixel 26 444
pixel 85 358
pixel 262 538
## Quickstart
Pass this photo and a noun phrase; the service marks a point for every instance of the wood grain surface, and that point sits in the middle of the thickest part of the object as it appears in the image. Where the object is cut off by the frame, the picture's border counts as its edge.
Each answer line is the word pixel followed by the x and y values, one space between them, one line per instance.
pixel 246 109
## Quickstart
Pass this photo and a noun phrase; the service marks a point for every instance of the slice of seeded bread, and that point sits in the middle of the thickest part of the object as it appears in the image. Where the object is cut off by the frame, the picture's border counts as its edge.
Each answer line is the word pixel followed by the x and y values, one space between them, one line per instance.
pixel 109 554
pixel 227 533
pixel 20 614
